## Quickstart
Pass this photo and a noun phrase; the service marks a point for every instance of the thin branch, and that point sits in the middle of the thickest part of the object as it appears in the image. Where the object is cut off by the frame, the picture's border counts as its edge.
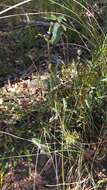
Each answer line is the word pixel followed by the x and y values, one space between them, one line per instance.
pixel 17 137
pixel 14 6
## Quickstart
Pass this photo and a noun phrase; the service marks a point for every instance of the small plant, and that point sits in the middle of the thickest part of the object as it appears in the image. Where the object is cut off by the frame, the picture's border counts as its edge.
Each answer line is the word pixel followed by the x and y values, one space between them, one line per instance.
pixel 63 123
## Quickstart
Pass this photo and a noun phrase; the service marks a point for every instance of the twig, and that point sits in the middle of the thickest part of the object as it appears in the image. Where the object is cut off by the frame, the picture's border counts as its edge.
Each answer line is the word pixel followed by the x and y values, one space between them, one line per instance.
pixel 14 6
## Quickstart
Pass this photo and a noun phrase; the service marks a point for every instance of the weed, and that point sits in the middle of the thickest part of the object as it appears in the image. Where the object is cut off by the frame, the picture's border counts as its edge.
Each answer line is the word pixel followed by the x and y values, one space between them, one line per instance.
pixel 63 123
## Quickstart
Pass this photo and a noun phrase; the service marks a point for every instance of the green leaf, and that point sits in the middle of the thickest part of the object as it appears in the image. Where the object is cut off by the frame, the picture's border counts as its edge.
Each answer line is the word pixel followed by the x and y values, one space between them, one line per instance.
pixel 57 32
pixel 37 142
pixel 61 18
pixel 64 104
pixel 87 104
pixel 51 17
pixel 55 18
pixel 104 79
pixel 100 182
pixel 42 147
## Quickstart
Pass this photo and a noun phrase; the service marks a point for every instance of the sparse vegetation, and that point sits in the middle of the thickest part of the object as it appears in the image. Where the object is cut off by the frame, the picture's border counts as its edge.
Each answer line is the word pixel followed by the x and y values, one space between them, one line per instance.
pixel 53 95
